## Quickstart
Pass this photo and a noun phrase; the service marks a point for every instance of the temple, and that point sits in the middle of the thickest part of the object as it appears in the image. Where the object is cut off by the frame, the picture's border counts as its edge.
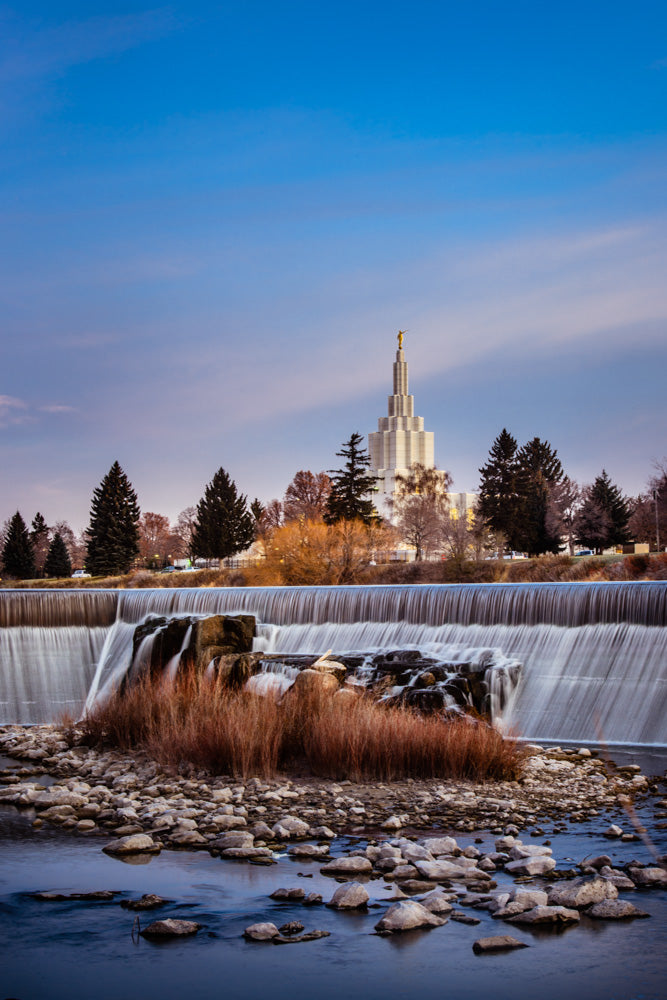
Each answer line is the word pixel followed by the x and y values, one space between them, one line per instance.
pixel 400 439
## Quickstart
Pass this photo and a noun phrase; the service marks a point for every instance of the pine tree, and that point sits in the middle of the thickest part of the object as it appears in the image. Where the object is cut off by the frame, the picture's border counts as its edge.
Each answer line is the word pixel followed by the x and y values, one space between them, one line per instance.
pixel 40 541
pixel 113 534
pixel 539 471
pixel 603 518
pixel 18 554
pixel 58 563
pixel 224 525
pixel 348 499
pixel 498 504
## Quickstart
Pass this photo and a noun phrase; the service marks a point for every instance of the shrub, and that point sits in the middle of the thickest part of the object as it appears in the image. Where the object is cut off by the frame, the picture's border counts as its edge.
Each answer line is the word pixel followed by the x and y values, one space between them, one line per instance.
pixel 196 721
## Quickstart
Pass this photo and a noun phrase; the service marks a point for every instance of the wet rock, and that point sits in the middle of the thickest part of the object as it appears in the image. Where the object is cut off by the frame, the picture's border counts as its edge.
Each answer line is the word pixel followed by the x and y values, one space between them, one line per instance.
pixel 581 892
pixel 548 915
pixel 539 865
pixel 309 851
pixel 290 826
pixel 443 871
pixel 438 902
pixel 149 901
pixel 459 917
pixel 350 896
pixel 613 831
pixel 347 866
pixel 501 943
pixel 171 928
pixel 406 916
pixel 312 899
pixel 99 896
pixel 392 823
pixel 440 845
pixel 310 936
pixel 233 839
pixel 139 843
pixel 649 877
pixel 285 895
pixel 261 932
pixel 293 927
pixel 615 909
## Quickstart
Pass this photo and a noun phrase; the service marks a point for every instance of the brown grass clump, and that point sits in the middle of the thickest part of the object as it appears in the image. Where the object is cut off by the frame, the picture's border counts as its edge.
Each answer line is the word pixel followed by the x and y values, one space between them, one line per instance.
pixel 197 722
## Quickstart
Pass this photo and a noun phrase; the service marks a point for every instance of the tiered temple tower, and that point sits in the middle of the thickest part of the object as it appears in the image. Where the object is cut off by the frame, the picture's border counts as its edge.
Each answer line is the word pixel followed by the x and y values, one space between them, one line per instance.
pixel 400 439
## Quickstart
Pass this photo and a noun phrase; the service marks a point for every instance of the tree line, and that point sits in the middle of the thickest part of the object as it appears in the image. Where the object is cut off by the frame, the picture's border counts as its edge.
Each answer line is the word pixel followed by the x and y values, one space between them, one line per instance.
pixel 526 503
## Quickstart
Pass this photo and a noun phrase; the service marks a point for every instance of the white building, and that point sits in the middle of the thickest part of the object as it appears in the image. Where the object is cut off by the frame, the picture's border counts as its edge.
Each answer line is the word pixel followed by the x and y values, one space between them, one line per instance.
pixel 401 440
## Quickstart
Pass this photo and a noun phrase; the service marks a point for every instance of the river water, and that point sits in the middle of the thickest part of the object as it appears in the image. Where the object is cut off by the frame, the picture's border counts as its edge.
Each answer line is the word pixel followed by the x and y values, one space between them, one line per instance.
pixel 78 951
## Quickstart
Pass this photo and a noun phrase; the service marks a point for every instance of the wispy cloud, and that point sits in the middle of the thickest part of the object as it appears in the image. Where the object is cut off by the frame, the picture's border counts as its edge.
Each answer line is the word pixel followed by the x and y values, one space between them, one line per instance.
pixel 57 408
pixel 31 51
pixel 12 411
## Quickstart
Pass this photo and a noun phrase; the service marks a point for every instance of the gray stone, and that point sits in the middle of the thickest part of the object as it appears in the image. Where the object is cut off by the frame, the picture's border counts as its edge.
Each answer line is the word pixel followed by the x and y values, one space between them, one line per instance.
pixel 649 877
pixel 139 843
pixel 440 845
pixel 149 901
pixel 406 916
pixel 347 866
pixel 442 871
pixel 309 850
pixel 283 895
pixel 539 865
pixel 582 892
pixel 261 932
pixel 437 902
pixel 501 943
pixel 351 896
pixel 615 909
pixel 171 928
pixel 233 838
pixel 546 915
pixel 291 826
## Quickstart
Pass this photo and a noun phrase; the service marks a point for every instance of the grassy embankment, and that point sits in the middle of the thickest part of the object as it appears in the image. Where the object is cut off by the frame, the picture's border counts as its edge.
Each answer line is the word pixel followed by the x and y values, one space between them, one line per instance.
pixel 560 568
pixel 198 722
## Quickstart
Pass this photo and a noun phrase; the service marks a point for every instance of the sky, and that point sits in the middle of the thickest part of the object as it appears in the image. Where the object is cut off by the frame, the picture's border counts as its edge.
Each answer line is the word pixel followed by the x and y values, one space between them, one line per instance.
pixel 215 217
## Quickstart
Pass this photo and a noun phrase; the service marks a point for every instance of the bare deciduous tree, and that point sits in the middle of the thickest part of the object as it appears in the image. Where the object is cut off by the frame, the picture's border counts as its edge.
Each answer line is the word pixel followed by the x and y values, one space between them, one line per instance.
pixel 420 508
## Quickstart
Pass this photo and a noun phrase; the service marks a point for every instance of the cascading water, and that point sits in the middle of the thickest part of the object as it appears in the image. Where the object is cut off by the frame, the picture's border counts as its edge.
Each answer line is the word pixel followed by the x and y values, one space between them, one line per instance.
pixel 594 655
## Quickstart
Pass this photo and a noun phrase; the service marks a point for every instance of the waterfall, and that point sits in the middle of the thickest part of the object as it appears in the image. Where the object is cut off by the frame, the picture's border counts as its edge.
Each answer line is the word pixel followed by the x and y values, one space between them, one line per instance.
pixel 594 655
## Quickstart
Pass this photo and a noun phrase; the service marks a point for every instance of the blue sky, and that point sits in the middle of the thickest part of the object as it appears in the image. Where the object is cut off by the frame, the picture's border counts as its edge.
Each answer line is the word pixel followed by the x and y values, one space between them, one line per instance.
pixel 216 216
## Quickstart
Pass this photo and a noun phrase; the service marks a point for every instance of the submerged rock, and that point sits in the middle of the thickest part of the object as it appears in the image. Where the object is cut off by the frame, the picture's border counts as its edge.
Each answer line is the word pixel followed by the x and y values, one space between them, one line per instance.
pixel 139 843
pixel 501 943
pixel 171 928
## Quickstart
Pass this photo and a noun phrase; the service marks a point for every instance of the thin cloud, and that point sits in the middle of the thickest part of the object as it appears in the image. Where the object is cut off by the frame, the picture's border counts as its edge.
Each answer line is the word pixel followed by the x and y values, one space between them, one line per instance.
pixel 58 408
pixel 31 53
pixel 12 411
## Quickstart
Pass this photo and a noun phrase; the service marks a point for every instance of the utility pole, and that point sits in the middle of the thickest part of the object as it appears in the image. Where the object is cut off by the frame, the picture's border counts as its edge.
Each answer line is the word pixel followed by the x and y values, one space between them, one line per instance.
pixel 657 525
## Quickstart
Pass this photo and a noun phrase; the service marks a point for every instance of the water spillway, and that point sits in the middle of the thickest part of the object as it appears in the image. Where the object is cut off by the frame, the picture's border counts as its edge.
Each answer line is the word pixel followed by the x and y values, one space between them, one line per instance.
pixel 594 654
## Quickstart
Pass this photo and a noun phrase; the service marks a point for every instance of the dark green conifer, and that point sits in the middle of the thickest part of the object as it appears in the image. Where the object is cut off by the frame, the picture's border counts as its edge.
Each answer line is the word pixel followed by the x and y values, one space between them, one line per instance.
pixel 224 525
pixel 40 541
pixel 498 499
pixel 603 518
pixel 58 563
pixel 539 470
pixel 18 554
pixel 113 535
pixel 351 485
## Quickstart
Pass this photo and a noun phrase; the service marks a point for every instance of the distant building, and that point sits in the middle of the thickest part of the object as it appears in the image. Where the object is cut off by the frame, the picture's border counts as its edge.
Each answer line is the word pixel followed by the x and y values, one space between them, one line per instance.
pixel 401 440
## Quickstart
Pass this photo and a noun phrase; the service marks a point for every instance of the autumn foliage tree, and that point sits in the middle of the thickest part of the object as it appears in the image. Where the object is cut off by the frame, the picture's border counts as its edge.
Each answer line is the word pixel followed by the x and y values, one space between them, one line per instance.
pixel 307 496
pixel 305 552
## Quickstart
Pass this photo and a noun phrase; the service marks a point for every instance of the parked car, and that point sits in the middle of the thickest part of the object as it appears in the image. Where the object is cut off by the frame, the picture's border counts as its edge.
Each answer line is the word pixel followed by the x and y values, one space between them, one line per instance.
pixel 169 569
pixel 79 574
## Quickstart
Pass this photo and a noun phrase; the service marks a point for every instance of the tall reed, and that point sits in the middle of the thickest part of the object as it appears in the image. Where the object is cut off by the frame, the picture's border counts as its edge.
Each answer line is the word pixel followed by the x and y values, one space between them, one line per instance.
pixel 196 721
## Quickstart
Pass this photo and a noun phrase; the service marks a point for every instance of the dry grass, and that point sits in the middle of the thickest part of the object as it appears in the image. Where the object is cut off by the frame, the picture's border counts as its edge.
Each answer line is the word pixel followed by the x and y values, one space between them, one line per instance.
pixel 196 722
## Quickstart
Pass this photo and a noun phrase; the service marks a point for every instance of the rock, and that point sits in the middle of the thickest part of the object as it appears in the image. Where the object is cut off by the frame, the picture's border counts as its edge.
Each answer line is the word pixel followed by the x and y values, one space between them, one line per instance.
pixel 310 936
pixel 347 866
pixel 613 831
pixel 312 899
pixel 170 928
pixel 440 845
pixel 139 843
pixel 581 892
pixel 290 826
pixel 261 932
pixel 464 918
pixel 248 854
pixel 351 896
pixel 649 877
pixel 309 850
pixel 283 895
pixel 310 680
pixel 443 871
pixel 230 822
pixel 546 915
pixel 99 896
pixel 392 823
pixel 233 838
pixel 293 927
pixel 539 865
pixel 502 943
pixel 520 851
pixel 597 861
pixel 149 901
pixel 615 909
pixel 407 916
pixel 437 902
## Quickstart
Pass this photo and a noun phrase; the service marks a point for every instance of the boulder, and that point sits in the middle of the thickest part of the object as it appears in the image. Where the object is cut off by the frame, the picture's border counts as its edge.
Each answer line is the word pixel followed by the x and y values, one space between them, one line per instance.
pixel 350 896
pixel 539 865
pixel 615 909
pixel 407 916
pixel 580 892
pixel 170 928
pixel 443 871
pixel 649 877
pixel 138 843
pixel 440 845
pixel 149 901
pixel 501 943
pixel 286 895
pixel 438 902
pixel 290 826
pixel 314 681
pixel 261 932
pixel 309 850
pixel 546 915
pixel 347 866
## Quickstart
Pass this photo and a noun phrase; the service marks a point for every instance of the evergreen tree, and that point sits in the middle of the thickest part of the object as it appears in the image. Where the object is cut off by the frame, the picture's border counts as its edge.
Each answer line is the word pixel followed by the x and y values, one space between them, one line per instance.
pixel 539 471
pixel 350 486
pixel 604 515
pixel 113 534
pixel 498 504
pixel 18 554
pixel 224 525
pixel 58 563
pixel 40 541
